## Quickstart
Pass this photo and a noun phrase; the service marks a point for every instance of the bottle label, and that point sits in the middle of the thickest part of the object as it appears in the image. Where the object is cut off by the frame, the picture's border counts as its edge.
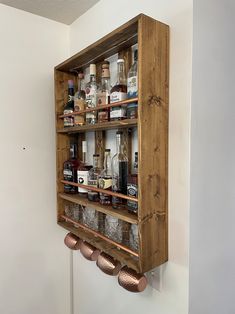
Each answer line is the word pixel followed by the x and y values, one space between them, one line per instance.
pixel 82 179
pixel 93 182
pixel 118 112
pixel 68 121
pixel 117 96
pixel 79 104
pixel 91 97
pixel 132 87
pixel 103 116
pixel 132 190
pixel 103 99
pixel 68 176
pixel 105 183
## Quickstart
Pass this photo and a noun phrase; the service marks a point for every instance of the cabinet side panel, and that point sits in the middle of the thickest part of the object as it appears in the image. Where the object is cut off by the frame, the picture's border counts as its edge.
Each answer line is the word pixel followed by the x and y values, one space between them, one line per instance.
pixel 153 68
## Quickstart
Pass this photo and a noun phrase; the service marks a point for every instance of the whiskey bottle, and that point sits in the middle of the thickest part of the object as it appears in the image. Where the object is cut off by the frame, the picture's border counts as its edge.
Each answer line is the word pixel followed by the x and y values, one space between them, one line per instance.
pixel 80 101
pixel 119 93
pixel 132 187
pixel 93 176
pixel 82 172
pixel 69 107
pixel 105 179
pixel 119 173
pixel 132 88
pixel 103 94
pixel 70 170
pixel 91 96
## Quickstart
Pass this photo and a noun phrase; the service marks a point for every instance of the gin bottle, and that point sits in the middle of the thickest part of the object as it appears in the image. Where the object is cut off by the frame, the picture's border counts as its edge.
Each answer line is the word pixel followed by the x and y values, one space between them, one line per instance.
pixel 91 96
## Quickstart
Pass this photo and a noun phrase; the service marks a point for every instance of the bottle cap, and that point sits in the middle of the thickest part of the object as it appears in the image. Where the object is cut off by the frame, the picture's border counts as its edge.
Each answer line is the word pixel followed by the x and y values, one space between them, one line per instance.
pixel 70 83
pixel 105 65
pixel 120 60
pixel 81 75
pixel 84 146
pixel 92 69
pixel 107 150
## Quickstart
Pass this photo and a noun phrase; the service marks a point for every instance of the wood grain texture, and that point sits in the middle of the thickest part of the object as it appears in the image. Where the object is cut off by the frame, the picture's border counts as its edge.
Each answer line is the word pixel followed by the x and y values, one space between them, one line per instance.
pixel 153 71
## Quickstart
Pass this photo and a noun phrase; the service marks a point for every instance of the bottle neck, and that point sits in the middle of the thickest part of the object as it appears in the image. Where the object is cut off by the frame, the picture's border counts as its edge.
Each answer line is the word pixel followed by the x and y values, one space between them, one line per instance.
pixel 107 161
pixel 71 91
pixel 121 75
pixel 73 151
pixel 93 78
pixel 84 157
pixel 95 162
pixel 119 144
pixel 79 84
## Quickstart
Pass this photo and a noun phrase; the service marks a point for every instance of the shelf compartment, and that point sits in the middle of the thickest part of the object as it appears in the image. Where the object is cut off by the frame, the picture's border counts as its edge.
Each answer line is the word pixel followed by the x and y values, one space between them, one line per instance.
pixel 91 188
pixel 108 210
pixel 116 104
pixel 100 236
pixel 127 123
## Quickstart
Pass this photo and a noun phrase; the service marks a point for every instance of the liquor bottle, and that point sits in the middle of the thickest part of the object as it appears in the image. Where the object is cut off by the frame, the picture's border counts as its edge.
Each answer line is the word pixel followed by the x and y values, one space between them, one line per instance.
pixel 93 176
pixel 70 170
pixel 91 96
pixel 69 107
pixel 132 88
pixel 132 187
pixel 80 101
pixel 119 93
pixel 119 173
pixel 82 173
pixel 103 93
pixel 105 179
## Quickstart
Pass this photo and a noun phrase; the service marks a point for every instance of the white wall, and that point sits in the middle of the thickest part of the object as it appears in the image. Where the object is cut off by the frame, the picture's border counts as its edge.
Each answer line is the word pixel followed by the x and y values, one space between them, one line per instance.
pixel 95 292
pixel 212 213
pixel 34 263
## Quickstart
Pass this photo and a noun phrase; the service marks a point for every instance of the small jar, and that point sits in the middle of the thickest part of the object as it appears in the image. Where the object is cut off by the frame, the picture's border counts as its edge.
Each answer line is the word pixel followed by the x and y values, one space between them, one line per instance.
pixel 113 228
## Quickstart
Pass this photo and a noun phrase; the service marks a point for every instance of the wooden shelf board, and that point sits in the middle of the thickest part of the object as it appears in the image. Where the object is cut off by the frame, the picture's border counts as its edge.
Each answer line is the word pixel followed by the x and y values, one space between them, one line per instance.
pixel 127 123
pixel 124 257
pixel 108 210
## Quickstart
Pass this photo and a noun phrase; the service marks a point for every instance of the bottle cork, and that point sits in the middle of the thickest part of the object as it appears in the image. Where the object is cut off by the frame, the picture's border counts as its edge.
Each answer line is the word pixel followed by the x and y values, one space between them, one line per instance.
pixel 92 69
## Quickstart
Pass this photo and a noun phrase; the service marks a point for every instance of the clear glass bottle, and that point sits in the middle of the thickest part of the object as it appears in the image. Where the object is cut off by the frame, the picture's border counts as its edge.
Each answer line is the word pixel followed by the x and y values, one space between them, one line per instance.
pixel 82 172
pixel 93 176
pixel 132 88
pixel 113 228
pixel 70 170
pixel 134 237
pixel 132 187
pixel 103 93
pixel 105 179
pixel 119 173
pixel 69 107
pixel 91 96
pixel 80 101
pixel 119 93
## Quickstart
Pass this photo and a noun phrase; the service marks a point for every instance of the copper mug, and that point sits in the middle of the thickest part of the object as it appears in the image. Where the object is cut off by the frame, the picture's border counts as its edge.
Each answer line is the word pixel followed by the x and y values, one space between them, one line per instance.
pixel 130 280
pixel 108 264
pixel 89 251
pixel 72 242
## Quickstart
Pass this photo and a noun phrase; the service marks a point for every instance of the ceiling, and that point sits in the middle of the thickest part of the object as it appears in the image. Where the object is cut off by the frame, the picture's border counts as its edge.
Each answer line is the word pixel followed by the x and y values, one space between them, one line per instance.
pixel 64 11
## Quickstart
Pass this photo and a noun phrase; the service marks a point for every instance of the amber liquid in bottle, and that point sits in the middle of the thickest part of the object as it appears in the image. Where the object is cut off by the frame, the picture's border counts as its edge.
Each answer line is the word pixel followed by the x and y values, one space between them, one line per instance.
pixel 70 170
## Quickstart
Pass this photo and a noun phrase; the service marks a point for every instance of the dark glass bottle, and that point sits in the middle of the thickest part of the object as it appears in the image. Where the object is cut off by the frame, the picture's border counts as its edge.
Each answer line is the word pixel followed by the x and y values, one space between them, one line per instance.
pixel 70 170
pixel 69 107
pixel 119 93
pixel 119 173
pixel 82 173
pixel 105 179
pixel 93 175
pixel 132 187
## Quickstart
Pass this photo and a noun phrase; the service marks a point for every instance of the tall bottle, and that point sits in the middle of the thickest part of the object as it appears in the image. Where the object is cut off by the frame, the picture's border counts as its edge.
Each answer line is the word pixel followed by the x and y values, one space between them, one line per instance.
pixel 119 93
pixel 82 172
pixel 93 176
pixel 80 101
pixel 91 96
pixel 119 173
pixel 132 88
pixel 69 107
pixel 103 94
pixel 70 170
pixel 105 179
pixel 132 187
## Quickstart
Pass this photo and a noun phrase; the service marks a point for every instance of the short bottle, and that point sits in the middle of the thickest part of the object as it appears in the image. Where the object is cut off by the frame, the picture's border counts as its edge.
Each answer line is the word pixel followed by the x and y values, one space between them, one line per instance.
pixel 70 170
pixel 105 179
pixel 132 187
pixel 91 96
pixel 93 176
pixel 119 173
pixel 69 107
pixel 80 101
pixel 119 93
pixel 103 93
pixel 82 172
pixel 132 88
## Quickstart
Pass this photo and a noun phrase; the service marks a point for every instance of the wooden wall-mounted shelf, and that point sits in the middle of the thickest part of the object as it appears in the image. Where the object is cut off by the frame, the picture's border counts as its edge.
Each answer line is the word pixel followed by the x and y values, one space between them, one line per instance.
pixel 152 38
